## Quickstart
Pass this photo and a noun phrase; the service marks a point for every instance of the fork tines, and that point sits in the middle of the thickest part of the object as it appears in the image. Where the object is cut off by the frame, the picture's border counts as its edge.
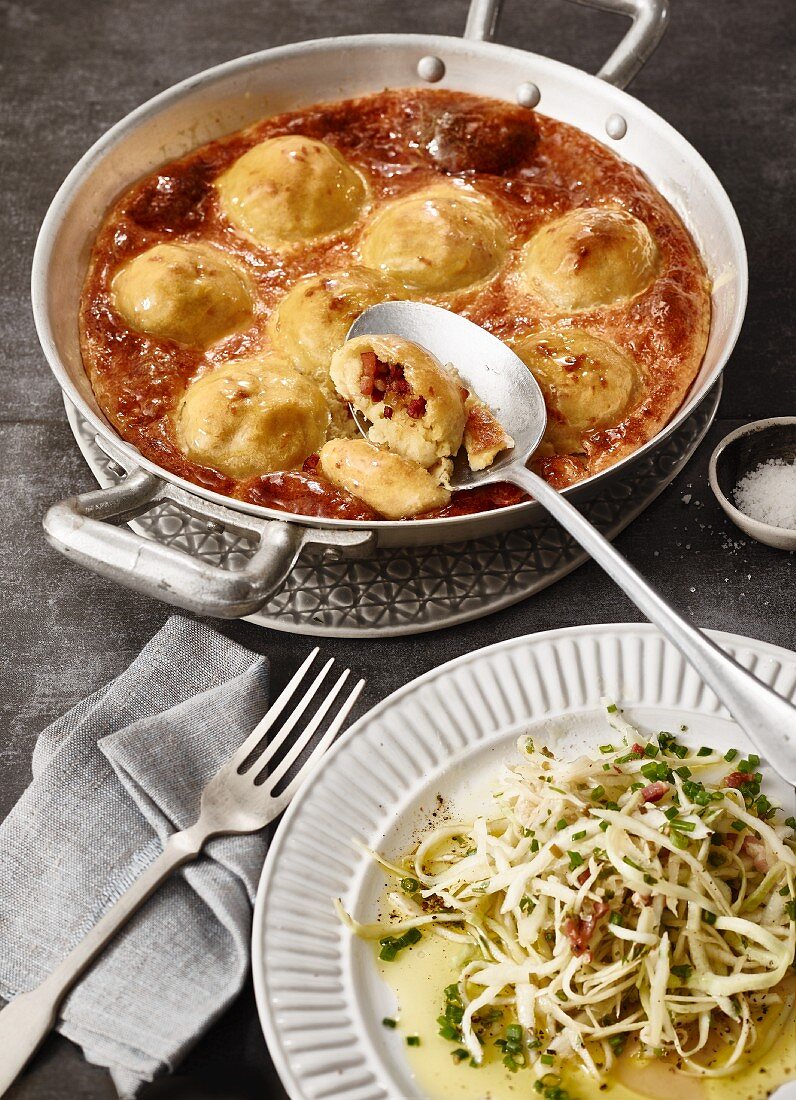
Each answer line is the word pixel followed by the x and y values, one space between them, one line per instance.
pixel 247 756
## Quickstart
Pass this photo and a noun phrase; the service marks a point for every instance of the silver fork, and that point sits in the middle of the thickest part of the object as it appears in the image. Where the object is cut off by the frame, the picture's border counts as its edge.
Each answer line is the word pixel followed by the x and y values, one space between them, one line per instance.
pixel 238 799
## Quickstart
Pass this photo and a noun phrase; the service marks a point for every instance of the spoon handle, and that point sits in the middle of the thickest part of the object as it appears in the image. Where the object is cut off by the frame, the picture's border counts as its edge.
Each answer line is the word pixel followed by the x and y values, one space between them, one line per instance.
pixel 769 719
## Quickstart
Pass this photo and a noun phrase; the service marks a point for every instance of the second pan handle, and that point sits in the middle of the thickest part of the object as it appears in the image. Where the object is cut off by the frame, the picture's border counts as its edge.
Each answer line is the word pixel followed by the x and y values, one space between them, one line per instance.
pixel 649 19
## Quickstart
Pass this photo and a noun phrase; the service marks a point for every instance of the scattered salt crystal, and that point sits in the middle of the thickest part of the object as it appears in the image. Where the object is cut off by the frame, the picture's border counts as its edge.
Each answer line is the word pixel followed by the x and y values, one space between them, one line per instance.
pixel 768 493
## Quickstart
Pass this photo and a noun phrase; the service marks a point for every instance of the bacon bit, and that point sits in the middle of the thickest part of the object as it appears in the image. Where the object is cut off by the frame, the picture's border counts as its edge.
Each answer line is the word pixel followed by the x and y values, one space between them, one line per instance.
pixel 416 408
pixel 579 930
pixel 756 850
pixel 465 393
pixel 368 375
pixel 736 779
pixel 637 750
pixel 310 463
pixel 655 791
pixel 583 877
pixel 387 412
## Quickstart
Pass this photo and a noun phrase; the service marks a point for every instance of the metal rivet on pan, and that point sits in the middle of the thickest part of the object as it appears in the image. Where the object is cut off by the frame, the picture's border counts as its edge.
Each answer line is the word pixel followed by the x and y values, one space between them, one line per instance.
pixel 527 94
pixel 615 127
pixel 431 69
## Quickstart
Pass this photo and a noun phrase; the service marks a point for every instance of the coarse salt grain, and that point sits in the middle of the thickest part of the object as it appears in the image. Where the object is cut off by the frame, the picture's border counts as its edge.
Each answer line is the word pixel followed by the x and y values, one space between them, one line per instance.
pixel 768 493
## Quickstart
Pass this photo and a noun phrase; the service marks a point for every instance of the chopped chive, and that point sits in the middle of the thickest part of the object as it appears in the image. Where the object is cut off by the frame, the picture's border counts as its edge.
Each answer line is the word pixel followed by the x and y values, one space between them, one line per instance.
pixel 389 1022
pixel 597 793
pixel 738 826
pixel 708 918
pixel 705 751
pixel 650 881
pixel 409 885
pixel 730 755
pixel 616 918
pixel 651 750
pixel 527 904
pixel 548 1059
pixel 606 767
pixel 684 826
pixel 561 824
pixel 612 708
pixel 790 822
pixel 678 840
pixel 460 1054
pixel 672 812
pixel 413 1040
pixel 575 860
pixel 683 972
pixel 604 826
pixel 754 760
pixel 684 772
pixel 606 749
pixel 790 908
pixel 580 835
pixel 534 846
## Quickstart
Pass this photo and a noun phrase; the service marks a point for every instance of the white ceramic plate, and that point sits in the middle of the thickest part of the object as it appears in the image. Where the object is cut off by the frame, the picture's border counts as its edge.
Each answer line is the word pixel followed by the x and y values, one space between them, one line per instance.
pixel 320 999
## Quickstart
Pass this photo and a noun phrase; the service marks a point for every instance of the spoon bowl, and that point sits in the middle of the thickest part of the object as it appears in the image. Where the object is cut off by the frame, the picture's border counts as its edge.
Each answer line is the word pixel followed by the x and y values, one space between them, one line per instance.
pixel 488 366
pixel 502 381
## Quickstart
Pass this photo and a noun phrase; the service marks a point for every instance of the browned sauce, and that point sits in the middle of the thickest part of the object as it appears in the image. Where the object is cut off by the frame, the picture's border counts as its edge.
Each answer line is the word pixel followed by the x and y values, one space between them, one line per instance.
pixel 532 167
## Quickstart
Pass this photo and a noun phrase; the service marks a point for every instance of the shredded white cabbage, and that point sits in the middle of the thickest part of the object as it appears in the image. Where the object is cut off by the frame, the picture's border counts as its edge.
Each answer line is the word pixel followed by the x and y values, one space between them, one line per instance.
pixel 646 892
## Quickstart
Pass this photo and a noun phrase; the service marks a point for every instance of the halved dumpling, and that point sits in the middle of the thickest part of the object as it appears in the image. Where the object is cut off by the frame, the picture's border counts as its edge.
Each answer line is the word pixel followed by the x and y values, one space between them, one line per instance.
pixel 588 383
pixel 251 416
pixel 440 239
pixel 191 293
pixel 290 190
pixel 314 317
pixel 593 256
pixel 484 435
pixel 415 405
pixel 392 485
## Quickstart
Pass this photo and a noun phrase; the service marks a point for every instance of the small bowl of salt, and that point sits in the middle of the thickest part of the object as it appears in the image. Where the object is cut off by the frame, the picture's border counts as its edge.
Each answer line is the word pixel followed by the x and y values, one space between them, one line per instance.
pixel 753 476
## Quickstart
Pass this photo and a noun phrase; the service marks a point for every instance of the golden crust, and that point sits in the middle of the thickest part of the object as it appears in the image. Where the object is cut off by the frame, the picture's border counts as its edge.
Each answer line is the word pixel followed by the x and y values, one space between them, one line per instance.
pixel 392 485
pixel 251 416
pixel 588 384
pixel 291 189
pixel 187 292
pixel 436 240
pixel 592 256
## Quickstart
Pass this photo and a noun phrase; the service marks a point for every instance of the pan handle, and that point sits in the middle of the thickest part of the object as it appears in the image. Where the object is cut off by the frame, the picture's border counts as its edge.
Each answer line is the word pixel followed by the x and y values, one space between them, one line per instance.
pixel 649 20
pixel 81 528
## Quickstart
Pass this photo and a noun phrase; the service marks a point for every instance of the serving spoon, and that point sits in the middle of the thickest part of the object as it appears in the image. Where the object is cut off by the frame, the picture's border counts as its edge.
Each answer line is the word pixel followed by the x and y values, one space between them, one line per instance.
pixel 501 380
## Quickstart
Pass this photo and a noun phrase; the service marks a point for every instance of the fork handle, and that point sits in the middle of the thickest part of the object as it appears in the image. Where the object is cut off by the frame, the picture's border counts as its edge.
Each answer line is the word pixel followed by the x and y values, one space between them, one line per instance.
pixel 28 1018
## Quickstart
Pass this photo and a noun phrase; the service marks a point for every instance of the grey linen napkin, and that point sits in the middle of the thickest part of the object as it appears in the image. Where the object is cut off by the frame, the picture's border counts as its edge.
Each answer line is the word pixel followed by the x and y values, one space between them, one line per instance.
pixel 111 780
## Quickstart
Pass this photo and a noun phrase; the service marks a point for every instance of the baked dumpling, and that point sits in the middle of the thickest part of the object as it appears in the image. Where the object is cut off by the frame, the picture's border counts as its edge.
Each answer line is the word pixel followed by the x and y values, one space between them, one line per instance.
pixel 251 416
pixel 415 405
pixel 439 239
pixel 289 190
pixel 392 485
pixel 191 293
pixel 484 435
pixel 588 383
pixel 593 256
pixel 314 317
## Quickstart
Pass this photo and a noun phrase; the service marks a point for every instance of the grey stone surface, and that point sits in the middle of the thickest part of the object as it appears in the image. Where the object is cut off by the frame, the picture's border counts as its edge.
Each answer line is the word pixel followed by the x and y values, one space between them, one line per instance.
pixel 71 68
